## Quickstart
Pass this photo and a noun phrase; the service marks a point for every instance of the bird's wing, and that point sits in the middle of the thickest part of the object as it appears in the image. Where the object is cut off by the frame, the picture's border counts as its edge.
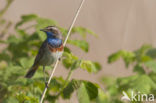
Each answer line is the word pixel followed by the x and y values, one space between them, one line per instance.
pixel 41 52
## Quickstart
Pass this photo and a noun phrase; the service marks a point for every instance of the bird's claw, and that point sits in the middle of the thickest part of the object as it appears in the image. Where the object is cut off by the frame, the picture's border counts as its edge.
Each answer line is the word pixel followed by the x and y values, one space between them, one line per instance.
pixel 46 85
pixel 59 59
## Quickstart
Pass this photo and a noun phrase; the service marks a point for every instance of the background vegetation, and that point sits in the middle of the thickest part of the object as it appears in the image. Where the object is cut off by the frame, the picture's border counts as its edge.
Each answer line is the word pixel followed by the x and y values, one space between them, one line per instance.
pixel 21 46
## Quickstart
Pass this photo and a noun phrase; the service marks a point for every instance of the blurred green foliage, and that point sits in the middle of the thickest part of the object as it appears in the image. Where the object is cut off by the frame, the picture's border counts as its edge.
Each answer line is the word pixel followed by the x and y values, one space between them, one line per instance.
pixel 143 80
pixel 21 47
pixel 17 56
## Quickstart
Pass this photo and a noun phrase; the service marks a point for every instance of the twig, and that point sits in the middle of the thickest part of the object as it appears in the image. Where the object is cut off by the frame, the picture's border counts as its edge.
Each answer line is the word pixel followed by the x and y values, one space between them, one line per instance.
pixel 9 2
pixel 68 34
pixel 5 30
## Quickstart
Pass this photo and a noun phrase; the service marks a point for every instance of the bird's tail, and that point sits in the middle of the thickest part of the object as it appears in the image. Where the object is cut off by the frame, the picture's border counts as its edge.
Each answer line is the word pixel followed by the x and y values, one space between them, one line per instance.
pixel 31 71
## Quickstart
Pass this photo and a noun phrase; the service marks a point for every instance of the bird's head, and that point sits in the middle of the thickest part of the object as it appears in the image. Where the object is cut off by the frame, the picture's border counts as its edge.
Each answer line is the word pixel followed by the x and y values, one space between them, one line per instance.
pixel 52 32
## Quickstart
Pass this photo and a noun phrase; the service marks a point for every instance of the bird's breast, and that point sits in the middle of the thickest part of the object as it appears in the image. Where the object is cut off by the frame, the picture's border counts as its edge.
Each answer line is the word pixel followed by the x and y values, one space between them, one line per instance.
pixel 58 49
pixel 52 54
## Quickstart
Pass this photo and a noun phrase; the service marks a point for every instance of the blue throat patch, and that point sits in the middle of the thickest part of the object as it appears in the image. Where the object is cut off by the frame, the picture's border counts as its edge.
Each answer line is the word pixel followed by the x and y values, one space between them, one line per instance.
pixel 54 42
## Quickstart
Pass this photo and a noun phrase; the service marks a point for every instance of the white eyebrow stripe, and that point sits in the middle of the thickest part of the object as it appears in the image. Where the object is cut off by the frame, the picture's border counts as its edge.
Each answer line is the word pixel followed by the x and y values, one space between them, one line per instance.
pixel 52 27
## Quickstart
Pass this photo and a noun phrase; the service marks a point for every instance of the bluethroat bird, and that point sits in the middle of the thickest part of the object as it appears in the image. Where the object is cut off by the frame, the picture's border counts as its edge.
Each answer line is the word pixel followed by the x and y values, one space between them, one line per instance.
pixel 50 50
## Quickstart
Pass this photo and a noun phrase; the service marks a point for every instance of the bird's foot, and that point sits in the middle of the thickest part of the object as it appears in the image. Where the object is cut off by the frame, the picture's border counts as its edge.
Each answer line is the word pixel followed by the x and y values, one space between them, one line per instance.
pixel 59 59
pixel 46 85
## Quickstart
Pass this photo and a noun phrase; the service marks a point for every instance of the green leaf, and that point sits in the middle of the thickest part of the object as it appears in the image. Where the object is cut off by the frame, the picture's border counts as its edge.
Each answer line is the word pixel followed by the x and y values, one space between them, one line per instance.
pixel 4 56
pixel 13 39
pixel 75 65
pixel 77 83
pixel 51 98
pixel 142 83
pixel 114 57
pixel 10 100
pixel 69 59
pixel 141 53
pixel 102 97
pixel 56 84
pixel 151 53
pixel 23 98
pixel 66 49
pixel 139 69
pixel 67 92
pixel 90 66
pixel 153 76
pixel 143 49
pixel 82 93
pixel 151 65
pixel 145 58
pixel 114 89
pixel 106 80
pixel 127 56
pixel 80 43
pixel 22 33
pixel 92 90
pixel 26 62
pixel 97 65
pixel 12 71
pixel 69 89
pixel 26 18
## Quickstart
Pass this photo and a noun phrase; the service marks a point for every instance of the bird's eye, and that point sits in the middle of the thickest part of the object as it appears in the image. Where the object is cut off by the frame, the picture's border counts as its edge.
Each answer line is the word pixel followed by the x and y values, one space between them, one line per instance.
pixel 50 30
pixel 55 31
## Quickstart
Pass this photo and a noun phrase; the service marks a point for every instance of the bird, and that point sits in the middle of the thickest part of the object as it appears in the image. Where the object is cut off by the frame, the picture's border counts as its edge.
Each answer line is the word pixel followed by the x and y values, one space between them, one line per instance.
pixel 50 50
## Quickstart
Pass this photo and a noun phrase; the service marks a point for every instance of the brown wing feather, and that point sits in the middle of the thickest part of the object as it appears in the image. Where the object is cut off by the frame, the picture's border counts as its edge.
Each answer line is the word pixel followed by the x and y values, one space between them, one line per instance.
pixel 40 53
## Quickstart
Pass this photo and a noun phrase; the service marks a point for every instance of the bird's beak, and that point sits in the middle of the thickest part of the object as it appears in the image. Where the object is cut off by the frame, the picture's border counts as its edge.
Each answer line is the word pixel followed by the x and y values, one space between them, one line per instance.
pixel 43 30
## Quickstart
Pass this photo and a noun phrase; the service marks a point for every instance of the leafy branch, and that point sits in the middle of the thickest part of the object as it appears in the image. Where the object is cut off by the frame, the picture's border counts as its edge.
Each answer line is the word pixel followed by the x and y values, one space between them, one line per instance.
pixel 15 62
pixel 9 2
pixel 142 61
